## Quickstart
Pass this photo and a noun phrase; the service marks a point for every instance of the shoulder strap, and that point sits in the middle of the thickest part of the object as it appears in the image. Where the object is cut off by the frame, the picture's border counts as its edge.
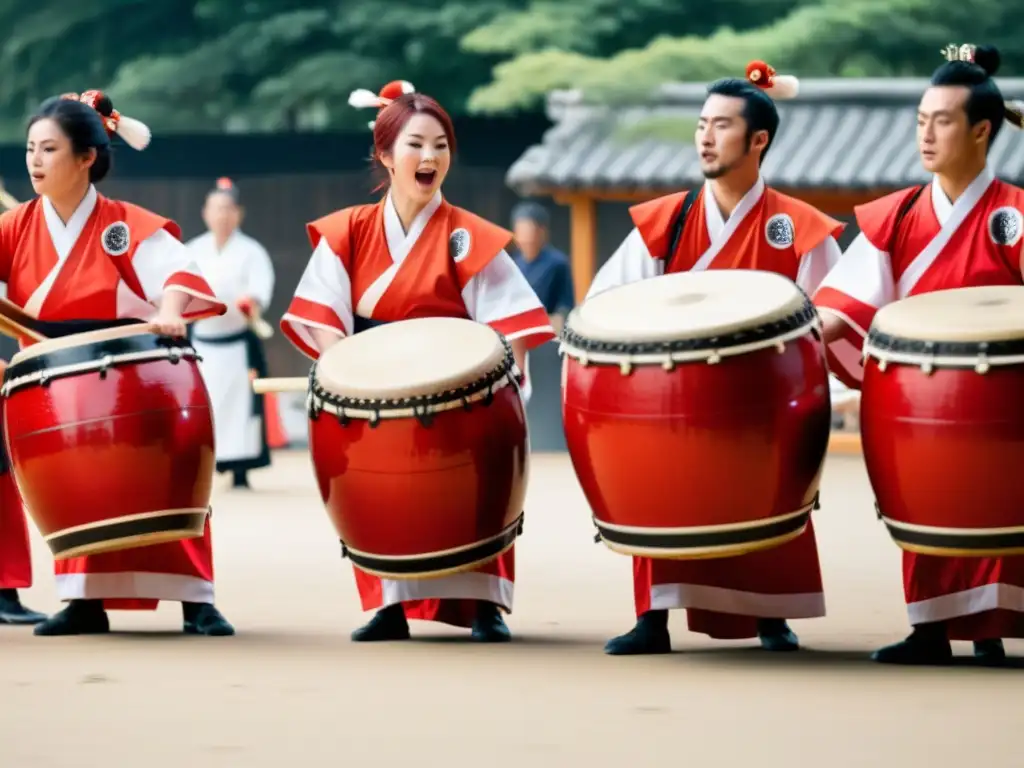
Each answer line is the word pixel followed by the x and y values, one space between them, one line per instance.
pixel 901 214
pixel 679 223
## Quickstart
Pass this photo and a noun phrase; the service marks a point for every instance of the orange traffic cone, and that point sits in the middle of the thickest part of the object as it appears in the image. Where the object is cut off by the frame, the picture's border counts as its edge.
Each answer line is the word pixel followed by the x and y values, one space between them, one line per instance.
pixel 276 436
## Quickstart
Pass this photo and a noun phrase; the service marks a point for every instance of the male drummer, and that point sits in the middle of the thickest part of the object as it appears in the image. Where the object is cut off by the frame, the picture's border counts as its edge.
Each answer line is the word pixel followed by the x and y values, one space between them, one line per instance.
pixel 732 221
pixel 962 229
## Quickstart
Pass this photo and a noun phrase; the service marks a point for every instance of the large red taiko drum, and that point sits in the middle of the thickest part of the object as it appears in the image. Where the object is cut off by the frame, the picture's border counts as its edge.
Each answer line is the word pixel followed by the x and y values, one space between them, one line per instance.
pixel 110 439
pixel 419 440
pixel 942 420
pixel 696 410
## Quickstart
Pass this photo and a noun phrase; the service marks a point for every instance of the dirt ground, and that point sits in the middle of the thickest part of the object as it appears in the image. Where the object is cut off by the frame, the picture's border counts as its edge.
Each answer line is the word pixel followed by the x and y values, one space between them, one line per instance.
pixel 290 689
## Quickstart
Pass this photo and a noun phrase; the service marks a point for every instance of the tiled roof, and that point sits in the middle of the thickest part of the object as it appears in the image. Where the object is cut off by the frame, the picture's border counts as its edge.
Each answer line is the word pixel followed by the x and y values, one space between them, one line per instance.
pixel 838 134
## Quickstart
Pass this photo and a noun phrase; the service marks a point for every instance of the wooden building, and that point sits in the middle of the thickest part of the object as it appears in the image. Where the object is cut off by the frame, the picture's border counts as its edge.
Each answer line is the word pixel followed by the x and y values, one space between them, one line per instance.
pixel 840 143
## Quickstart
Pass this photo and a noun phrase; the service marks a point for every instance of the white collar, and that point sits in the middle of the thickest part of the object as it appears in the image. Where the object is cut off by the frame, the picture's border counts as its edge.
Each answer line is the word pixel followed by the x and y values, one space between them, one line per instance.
pixel 943 206
pixel 77 221
pixel 713 214
pixel 64 236
pixel 400 242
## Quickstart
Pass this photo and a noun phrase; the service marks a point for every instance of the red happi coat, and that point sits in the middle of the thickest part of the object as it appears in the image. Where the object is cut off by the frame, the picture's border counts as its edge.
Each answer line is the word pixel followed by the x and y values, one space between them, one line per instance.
pixel 59 273
pixel 364 264
pixel 915 242
pixel 725 597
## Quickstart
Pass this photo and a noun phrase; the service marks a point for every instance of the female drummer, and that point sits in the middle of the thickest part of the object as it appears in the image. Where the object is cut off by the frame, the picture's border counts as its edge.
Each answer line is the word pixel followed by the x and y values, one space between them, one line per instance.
pixel 412 255
pixel 75 257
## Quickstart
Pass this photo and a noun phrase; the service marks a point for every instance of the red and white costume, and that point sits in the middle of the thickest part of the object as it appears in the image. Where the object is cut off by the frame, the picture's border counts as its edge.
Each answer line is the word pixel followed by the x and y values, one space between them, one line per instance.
pixel 364 264
pixel 58 271
pixel 938 245
pixel 767 231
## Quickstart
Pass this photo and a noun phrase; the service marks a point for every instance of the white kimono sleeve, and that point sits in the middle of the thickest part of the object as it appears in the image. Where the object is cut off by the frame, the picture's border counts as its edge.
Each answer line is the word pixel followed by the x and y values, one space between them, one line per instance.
pixel 817 263
pixel 500 296
pixel 630 263
pixel 858 286
pixel 163 263
pixel 323 299
pixel 259 275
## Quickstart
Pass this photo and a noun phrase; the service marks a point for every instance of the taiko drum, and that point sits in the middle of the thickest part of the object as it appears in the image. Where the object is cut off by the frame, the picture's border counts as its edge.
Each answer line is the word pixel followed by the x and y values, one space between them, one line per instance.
pixel 419 441
pixel 942 420
pixel 110 438
pixel 696 411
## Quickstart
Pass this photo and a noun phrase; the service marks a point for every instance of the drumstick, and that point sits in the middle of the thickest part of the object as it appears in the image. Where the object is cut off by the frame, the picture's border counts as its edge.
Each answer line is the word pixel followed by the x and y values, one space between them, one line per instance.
pixel 288 384
pixel 260 327
pixel 16 320
pixel 7 200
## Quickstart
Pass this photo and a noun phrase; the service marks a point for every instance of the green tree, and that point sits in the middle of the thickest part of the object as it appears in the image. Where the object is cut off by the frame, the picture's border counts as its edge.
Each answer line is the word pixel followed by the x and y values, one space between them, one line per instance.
pixel 814 39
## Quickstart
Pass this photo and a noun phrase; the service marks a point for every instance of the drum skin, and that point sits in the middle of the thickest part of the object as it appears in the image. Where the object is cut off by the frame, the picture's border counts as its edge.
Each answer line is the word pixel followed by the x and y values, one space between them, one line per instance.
pixel 87 449
pixel 703 445
pixel 945 450
pixel 402 489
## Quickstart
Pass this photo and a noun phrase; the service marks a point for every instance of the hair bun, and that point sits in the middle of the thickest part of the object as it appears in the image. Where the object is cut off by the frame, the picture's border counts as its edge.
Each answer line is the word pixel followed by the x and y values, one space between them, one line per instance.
pixel 987 57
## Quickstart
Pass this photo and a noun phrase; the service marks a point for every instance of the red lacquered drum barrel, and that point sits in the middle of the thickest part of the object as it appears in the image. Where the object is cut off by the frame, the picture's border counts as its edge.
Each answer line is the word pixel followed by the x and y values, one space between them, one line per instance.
pixel 942 420
pixel 419 440
pixel 696 409
pixel 110 438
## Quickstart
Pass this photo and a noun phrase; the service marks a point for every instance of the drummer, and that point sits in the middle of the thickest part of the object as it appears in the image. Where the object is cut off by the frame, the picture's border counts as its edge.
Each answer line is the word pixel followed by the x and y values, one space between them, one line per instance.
pixel 732 221
pixel 410 255
pixel 82 261
pixel 962 229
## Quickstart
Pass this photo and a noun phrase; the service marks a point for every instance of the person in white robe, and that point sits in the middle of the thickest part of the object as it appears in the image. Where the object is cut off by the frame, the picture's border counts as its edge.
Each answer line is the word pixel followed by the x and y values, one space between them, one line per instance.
pixel 241 274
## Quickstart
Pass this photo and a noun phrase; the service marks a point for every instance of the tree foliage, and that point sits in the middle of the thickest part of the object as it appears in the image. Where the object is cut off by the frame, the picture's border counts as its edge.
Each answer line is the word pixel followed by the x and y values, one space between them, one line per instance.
pixel 243 65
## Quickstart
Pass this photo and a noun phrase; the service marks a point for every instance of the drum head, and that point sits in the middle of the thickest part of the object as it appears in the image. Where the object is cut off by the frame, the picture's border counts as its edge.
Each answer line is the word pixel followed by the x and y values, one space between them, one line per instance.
pixel 980 315
pixel 79 339
pixel 687 305
pixel 410 358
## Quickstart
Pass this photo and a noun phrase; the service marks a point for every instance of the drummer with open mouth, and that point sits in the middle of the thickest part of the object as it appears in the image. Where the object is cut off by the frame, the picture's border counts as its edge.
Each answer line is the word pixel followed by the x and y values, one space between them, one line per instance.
pixel 962 229
pixel 79 261
pixel 415 255
pixel 733 221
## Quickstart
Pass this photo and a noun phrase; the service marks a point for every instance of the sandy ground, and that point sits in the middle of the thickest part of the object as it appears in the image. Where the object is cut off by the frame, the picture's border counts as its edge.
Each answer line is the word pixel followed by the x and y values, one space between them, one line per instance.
pixel 290 689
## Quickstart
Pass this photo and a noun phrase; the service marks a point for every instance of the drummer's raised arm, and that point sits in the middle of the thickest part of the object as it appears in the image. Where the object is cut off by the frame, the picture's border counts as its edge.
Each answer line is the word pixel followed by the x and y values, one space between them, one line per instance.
pixel 858 286
pixel 321 310
pixel 164 267
pixel 817 263
pixel 630 263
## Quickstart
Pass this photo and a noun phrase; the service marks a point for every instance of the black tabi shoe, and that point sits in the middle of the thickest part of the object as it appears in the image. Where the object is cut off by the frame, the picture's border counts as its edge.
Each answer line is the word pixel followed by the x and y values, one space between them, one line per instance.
pixel 13 612
pixel 926 645
pixel 650 635
pixel 387 624
pixel 775 635
pixel 240 480
pixel 205 619
pixel 990 652
pixel 489 625
pixel 80 617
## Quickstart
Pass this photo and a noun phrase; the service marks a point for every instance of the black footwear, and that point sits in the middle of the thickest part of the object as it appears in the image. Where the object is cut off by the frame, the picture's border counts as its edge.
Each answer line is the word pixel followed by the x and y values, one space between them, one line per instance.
pixel 926 645
pixel 489 625
pixel 205 619
pixel 240 479
pixel 990 652
pixel 13 612
pixel 387 624
pixel 650 635
pixel 775 635
pixel 80 617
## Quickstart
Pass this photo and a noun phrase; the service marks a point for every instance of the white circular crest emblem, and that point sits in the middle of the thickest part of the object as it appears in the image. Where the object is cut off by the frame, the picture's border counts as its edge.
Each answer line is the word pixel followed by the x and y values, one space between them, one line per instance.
pixel 1005 226
pixel 459 243
pixel 779 231
pixel 116 239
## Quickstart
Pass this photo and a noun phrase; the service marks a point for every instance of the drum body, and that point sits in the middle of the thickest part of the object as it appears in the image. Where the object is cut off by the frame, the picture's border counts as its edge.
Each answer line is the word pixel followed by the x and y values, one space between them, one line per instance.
pixel 419 441
pixel 708 441
pixel 942 421
pixel 110 438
